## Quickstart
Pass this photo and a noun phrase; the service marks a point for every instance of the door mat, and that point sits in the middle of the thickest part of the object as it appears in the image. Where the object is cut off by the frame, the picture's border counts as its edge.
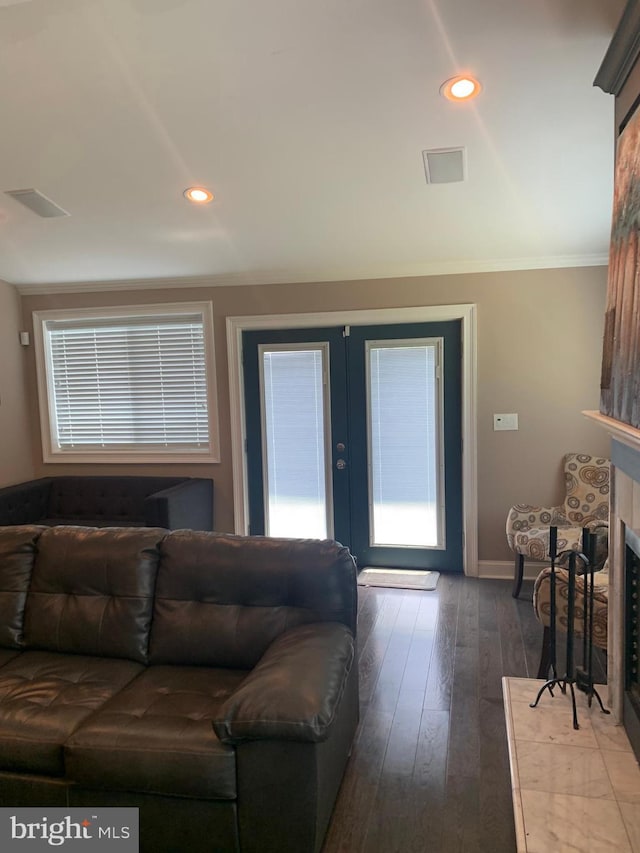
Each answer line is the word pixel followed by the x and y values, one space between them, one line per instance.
pixel 398 578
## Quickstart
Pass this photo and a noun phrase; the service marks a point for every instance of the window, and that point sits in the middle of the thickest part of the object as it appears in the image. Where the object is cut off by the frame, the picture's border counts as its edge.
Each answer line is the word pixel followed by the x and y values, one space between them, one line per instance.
pixel 127 384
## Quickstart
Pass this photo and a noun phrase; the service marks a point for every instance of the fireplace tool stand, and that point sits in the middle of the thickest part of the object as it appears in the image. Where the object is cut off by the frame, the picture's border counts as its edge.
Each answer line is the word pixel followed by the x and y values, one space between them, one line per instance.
pixel 581 677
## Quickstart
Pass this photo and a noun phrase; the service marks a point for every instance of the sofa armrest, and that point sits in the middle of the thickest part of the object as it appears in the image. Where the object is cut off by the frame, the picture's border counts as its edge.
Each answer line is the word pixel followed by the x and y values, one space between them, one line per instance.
pixel 187 505
pixel 294 691
pixel 523 517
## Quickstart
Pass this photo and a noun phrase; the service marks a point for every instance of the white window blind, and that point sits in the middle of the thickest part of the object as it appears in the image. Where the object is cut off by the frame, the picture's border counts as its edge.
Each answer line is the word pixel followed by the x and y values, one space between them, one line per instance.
pixel 132 384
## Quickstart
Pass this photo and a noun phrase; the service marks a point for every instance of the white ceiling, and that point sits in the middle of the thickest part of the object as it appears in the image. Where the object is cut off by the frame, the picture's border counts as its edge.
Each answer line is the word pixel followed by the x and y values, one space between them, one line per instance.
pixel 307 118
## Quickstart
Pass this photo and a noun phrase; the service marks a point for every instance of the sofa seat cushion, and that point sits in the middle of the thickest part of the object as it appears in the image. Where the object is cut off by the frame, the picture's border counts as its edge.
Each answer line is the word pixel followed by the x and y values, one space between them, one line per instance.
pixel 44 696
pixel 156 736
pixel 533 542
pixel 6 655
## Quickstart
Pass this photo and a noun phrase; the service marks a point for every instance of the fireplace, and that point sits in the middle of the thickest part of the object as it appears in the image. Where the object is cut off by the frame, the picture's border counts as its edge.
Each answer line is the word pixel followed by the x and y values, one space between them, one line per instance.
pixel 623 658
pixel 631 673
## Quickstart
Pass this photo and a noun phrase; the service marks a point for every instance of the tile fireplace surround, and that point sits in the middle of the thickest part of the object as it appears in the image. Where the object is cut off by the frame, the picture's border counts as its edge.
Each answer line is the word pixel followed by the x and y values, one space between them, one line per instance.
pixel 573 791
pixel 624 512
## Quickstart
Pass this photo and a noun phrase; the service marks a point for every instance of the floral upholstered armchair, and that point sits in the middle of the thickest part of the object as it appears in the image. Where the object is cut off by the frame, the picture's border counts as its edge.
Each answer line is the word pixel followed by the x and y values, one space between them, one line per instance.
pixel 542 609
pixel 586 505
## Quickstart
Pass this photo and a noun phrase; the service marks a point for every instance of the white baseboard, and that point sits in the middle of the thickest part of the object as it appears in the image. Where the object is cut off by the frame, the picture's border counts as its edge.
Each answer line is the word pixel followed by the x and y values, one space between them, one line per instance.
pixel 503 569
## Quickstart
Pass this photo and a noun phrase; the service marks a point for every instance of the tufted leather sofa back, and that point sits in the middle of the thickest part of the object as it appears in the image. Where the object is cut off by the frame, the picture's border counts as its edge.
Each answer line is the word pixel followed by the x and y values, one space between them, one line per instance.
pixel 221 600
pixel 25 503
pixel 92 590
pixel 17 556
pixel 118 500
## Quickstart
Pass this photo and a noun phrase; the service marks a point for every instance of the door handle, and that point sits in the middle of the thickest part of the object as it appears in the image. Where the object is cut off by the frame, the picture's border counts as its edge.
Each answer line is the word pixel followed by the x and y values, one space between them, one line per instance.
pixel 340 464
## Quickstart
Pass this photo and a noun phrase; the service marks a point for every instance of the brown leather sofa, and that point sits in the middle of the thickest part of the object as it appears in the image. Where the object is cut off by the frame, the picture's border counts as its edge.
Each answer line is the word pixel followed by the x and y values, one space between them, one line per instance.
pixel 208 680
pixel 171 502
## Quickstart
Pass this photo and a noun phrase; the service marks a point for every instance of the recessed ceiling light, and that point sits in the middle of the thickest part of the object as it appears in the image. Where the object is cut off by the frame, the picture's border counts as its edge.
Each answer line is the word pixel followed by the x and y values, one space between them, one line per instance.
pixel 198 195
pixel 461 88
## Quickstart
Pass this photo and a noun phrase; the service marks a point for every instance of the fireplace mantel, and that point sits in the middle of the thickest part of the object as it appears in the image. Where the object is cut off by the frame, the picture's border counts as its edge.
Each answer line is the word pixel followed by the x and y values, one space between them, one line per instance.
pixel 617 429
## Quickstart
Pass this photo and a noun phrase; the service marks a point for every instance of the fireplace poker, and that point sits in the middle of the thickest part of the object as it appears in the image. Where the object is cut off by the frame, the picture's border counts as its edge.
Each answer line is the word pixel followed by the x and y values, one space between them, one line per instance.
pixel 584 676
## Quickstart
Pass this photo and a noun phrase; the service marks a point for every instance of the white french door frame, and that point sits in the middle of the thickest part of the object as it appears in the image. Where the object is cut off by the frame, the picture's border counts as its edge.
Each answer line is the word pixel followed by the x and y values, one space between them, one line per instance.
pixel 466 313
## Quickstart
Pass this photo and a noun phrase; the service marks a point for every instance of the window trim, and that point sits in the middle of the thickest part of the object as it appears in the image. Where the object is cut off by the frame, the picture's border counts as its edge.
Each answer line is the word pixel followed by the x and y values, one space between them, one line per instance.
pixel 50 453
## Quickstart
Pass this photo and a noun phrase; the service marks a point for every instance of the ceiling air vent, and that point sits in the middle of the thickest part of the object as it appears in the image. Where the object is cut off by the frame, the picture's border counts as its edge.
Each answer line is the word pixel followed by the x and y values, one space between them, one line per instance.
pixel 38 203
pixel 444 165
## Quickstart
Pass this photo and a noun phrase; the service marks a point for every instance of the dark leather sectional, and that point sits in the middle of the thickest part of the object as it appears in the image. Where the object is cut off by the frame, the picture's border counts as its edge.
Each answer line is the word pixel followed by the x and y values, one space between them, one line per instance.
pixel 171 502
pixel 207 679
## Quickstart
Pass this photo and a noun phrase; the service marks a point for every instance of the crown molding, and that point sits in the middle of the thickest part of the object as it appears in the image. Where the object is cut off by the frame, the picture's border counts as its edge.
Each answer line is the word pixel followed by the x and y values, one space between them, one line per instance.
pixel 623 51
pixel 99 286
pixel 317 276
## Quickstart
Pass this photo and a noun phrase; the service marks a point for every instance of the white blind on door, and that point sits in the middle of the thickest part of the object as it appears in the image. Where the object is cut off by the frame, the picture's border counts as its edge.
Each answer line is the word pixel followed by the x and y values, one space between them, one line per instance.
pixel 293 396
pixel 404 443
pixel 134 382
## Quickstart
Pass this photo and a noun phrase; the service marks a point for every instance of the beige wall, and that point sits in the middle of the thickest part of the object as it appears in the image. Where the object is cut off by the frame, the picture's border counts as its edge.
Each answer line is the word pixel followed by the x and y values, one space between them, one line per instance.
pixel 16 463
pixel 539 345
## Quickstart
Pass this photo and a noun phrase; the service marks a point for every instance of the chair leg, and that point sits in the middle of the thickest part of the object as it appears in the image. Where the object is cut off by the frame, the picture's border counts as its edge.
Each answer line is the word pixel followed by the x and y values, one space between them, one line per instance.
pixel 545 654
pixel 518 574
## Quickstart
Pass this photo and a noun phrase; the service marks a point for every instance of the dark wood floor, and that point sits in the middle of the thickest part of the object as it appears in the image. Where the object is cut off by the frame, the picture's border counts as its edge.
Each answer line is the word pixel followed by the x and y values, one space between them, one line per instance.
pixel 429 770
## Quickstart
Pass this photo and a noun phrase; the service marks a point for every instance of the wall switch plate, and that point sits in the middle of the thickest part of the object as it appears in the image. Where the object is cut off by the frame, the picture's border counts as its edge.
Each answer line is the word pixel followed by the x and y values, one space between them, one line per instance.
pixel 503 422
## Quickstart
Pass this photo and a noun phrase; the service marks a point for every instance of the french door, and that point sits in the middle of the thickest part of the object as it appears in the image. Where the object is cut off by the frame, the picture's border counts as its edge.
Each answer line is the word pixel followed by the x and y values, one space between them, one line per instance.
pixel 355 434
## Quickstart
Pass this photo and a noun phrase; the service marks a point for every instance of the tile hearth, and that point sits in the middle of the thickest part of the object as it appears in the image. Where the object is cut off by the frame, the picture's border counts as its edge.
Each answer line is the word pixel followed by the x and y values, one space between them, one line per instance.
pixel 575 791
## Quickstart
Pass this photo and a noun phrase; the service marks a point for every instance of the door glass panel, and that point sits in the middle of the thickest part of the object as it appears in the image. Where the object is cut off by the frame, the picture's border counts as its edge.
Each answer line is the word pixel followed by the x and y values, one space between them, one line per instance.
pixel 295 435
pixel 405 457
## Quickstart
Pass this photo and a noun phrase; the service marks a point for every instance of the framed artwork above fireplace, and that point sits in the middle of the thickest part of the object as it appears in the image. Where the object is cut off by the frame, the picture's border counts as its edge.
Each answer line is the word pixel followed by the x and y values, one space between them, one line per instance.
pixel 620 379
